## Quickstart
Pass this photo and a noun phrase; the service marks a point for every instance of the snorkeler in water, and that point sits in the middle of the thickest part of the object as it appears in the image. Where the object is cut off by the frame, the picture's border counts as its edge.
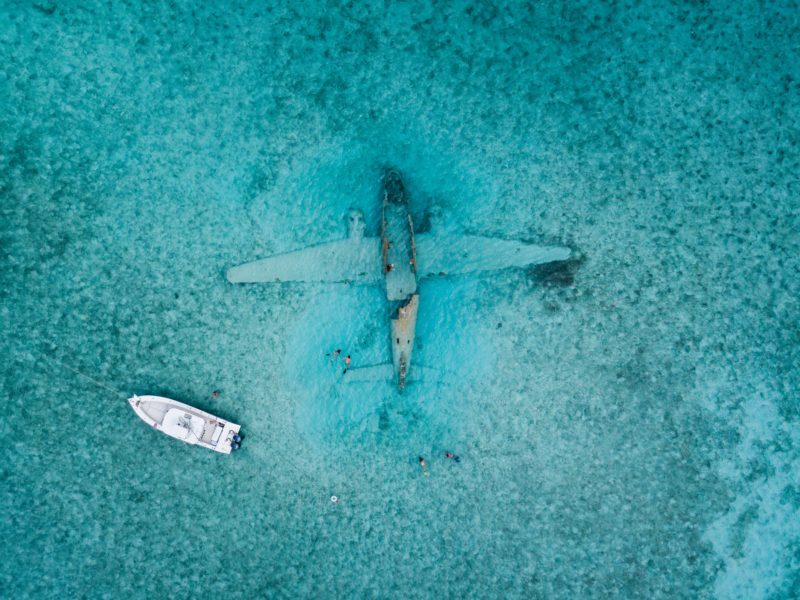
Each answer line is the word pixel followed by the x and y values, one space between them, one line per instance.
pixel 452 456
pixel 424 466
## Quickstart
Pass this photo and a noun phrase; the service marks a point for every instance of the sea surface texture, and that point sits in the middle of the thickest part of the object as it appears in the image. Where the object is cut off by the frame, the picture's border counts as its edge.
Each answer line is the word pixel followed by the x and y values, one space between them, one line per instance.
pixel 626 420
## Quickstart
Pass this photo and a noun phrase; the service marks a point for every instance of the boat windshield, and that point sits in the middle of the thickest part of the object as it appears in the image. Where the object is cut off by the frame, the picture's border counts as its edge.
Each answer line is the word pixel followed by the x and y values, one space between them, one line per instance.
pixel 177 423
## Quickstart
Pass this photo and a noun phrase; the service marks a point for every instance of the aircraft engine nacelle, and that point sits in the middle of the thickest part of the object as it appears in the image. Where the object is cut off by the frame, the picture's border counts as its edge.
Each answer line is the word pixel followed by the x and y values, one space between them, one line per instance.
pixel 356 224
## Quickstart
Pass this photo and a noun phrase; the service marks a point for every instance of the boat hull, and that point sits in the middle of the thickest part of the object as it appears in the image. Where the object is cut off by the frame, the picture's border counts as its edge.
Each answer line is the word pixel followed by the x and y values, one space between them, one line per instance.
pixel 186 423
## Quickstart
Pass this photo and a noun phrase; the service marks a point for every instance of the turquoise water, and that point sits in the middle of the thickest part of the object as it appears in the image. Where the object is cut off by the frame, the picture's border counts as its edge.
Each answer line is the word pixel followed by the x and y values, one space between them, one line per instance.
pixel 627 423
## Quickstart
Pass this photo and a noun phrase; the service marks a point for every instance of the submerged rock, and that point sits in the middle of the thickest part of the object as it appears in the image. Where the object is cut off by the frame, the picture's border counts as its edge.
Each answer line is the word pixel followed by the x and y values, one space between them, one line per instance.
pixel 559 273
pixel 45 8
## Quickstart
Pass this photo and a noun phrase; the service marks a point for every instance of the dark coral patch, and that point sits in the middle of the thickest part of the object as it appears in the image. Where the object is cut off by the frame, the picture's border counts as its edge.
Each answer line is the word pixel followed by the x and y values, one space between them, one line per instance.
pixel 557 274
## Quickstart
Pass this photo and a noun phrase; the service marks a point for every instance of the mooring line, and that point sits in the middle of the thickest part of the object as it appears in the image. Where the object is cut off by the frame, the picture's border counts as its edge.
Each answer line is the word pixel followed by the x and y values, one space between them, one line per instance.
pixel 84 375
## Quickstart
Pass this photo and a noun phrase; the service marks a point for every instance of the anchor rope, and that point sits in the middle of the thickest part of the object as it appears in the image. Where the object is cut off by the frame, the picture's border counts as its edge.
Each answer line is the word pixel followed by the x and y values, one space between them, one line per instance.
pixel 85 376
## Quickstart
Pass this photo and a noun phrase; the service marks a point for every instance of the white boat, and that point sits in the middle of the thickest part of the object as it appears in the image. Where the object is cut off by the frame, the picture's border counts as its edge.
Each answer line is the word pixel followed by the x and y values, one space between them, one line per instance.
pixel 186 423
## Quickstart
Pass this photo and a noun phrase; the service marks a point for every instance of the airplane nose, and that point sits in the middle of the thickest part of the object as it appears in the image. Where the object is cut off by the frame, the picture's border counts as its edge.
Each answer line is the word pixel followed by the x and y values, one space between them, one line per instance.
pixel 391 176
pixel 393 185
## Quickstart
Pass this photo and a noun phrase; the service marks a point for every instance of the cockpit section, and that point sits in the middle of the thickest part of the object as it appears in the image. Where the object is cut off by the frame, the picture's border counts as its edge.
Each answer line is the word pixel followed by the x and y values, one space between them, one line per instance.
pixel 397 241
pixel 393 189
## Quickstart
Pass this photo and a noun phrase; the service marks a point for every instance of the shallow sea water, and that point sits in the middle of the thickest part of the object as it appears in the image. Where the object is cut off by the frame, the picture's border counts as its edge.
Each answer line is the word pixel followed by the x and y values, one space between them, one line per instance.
pixel 627 422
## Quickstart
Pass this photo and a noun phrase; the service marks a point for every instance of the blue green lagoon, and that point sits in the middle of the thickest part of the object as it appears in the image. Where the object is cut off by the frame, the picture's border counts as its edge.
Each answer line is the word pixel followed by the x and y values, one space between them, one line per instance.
pixel 627 420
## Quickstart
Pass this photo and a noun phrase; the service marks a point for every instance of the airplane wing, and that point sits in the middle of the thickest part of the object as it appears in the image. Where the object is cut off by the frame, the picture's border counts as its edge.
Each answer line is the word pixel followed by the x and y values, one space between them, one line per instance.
pixel 448 254
pixel 355 260
pixel 385 372
pixel 382 372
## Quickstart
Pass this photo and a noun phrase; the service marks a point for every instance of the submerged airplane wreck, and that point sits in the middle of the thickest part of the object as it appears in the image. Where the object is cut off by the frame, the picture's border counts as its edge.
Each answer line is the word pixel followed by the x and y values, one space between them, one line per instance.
pixel 401 259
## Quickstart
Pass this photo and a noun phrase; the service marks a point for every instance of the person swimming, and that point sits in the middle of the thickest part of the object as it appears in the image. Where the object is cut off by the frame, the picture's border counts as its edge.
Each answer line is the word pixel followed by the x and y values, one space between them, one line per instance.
pixel 335 354
pixel 452 456
pixel 346 363
pixel 424 466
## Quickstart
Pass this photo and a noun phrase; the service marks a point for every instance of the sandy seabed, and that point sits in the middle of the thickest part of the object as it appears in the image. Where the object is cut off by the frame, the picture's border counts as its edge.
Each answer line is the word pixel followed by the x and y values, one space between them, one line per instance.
pixel 627 421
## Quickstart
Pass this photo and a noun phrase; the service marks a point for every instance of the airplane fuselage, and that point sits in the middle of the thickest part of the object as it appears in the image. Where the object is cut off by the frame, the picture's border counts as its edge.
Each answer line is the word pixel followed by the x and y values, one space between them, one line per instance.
pixel 399 261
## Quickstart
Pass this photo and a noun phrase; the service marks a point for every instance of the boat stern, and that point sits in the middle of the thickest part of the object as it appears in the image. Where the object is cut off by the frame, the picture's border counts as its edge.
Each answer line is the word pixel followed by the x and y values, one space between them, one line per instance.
pixel 226 439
